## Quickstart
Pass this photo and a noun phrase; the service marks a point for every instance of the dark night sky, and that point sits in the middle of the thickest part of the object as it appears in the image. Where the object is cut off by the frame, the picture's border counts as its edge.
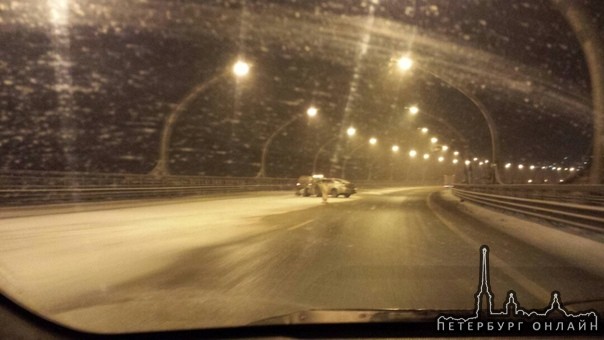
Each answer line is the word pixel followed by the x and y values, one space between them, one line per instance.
pixel 88 87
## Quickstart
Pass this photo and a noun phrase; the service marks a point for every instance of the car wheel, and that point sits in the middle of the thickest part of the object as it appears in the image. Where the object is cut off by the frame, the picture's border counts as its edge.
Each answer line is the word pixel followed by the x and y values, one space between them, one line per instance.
pixel 334 193
pixel 306 193
pixel 346 195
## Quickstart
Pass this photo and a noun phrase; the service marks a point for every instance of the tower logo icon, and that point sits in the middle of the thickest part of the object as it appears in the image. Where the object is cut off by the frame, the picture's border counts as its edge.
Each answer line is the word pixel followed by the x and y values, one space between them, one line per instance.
pixel 513 318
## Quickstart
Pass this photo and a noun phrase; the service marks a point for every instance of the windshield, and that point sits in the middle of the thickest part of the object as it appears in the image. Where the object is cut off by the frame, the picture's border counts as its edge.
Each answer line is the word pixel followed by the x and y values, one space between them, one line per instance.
pixel 201 164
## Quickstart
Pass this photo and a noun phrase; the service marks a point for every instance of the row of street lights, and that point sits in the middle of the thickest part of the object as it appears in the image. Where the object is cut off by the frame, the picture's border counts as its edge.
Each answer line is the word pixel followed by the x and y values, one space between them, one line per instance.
pixel 241 69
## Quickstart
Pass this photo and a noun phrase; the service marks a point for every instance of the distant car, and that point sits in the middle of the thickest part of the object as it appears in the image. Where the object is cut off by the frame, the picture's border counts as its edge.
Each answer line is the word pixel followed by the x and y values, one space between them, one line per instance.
pixel 340 186
pixel 309 185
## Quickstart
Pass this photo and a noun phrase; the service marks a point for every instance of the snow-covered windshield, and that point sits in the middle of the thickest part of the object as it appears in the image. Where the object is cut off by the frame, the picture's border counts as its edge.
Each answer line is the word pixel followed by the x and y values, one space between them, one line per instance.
pixel 151 155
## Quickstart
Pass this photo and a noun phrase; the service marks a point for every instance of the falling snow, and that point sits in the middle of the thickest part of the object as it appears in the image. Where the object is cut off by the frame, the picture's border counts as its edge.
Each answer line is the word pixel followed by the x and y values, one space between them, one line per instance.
pixel 88 87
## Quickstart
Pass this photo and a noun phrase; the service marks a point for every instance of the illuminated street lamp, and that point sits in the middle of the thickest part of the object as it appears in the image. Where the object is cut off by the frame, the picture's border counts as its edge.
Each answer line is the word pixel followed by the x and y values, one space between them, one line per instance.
pixel 445 148
pixel 424 130
pixel 413 110
pixel 467 162
pixel 441 159
pixel 372 141
pixel 433 140
pixel 351 131
pixel 395 148
pixel 412 153
pixel 310 112
pixel 240 69
pixel 532 167
pixel 426 156
pixel 508 165
pixel 404 63
pixel 322 147
pixel 520 166
pixel 455 161
pixel 456 153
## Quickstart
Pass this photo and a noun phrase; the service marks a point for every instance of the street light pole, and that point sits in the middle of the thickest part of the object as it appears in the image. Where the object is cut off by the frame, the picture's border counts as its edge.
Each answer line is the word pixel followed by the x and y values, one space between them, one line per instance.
pixel 350 132
pixel 590 37
pixel 372 141
pixel 240 69
pixel 321 148
pixel 486 115
pixel 311 112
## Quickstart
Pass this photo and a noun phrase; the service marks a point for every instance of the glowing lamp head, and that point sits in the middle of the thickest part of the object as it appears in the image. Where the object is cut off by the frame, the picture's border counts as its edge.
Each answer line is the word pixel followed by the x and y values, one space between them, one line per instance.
pixel 404 63
pixel 241 68
pixel 351 131
pixel 312 111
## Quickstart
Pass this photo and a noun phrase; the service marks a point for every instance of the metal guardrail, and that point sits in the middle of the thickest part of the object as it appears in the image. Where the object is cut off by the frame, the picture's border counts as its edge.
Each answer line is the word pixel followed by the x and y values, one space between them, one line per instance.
pixel 37 187
pixel 577 205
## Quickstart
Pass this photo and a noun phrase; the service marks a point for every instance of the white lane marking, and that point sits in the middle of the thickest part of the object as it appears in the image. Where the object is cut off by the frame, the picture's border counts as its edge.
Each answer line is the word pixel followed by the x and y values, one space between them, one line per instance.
pixel 529 285
pixel 301 224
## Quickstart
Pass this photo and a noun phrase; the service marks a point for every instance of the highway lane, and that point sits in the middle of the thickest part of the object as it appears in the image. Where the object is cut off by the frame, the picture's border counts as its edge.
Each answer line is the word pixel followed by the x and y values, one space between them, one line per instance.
pixel 384 249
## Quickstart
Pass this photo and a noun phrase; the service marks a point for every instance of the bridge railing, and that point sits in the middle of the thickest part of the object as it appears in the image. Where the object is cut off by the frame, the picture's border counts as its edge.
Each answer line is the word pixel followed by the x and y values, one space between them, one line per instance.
pixel 41 187
pixel 577 205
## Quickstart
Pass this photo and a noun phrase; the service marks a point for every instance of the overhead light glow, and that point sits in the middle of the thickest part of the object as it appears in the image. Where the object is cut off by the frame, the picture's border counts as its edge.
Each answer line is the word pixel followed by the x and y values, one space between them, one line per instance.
pixel 312 111
pixel 351 131
pixel 241 68
pixel 404 63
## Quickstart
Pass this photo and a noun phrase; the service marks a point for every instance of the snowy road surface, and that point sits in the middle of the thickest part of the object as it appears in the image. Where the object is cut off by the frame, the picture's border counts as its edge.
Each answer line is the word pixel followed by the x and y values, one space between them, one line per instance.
pixel 213 262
